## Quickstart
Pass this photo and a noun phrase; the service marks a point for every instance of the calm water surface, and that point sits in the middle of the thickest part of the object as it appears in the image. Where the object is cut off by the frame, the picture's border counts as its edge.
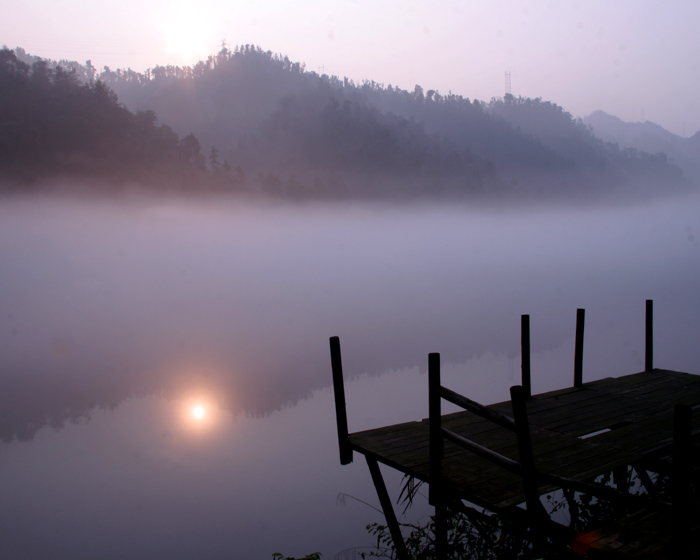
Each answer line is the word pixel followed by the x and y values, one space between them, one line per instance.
pixel 118 319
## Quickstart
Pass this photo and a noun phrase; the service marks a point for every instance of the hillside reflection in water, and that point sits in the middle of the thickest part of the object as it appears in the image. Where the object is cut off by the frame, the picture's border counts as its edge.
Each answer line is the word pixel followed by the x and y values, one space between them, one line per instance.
pixel 116 320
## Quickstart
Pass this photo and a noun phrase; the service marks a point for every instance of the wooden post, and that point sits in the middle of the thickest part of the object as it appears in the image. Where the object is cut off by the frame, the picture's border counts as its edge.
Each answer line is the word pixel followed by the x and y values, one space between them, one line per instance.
pixel 681 474
pixel 387 508
pixel 435 426
pixel 435 496
pixel 341 416
pixel 525 354
pixel 620 479
pixel 535 509
pixel 681 479
pixel 441 530
pixel 578 354
pixel 649 340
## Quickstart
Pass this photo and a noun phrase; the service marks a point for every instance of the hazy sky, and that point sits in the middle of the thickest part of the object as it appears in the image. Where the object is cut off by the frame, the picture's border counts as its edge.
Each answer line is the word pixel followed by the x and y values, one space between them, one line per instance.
pixel 637 59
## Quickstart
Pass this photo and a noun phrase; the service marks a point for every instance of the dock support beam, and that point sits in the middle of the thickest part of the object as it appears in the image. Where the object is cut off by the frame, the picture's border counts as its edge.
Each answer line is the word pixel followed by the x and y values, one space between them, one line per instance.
pixel 387 508
pixel 578 353
pixel 341 416
pixel 525 354
pixel 649 339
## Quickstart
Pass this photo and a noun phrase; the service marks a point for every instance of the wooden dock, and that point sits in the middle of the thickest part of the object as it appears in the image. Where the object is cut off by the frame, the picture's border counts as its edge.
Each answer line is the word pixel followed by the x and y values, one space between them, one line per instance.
pixel 504 456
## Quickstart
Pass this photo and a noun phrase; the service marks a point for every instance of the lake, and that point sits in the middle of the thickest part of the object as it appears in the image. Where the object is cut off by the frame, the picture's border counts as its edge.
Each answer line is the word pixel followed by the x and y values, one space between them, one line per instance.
pixel 164 365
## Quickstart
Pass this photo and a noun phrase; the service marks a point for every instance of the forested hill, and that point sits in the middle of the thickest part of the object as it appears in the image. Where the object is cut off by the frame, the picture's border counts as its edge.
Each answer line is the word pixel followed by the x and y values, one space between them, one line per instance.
pixel 268 125
pixel 53 126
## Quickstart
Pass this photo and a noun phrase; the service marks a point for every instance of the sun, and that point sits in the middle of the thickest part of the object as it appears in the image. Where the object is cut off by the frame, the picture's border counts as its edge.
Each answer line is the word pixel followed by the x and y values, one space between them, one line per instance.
pixel 186 32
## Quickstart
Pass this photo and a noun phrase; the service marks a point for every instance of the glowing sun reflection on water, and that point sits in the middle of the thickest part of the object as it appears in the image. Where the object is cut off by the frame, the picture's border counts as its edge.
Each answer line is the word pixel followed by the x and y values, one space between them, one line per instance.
pixel 200 392
pixel 198 412
pixel 201 415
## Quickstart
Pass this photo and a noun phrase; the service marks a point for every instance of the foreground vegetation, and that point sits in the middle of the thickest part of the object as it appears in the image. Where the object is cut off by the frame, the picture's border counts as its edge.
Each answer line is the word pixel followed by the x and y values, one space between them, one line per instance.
pixel 477 535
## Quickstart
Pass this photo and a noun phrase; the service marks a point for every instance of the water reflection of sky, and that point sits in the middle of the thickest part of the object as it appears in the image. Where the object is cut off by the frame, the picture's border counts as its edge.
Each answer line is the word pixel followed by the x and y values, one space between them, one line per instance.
pixel 117 320
pixel 136 482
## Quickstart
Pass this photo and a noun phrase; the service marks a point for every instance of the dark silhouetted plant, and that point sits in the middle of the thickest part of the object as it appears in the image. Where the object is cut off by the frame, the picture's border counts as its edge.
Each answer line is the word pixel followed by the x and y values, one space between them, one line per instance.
pixel 312 556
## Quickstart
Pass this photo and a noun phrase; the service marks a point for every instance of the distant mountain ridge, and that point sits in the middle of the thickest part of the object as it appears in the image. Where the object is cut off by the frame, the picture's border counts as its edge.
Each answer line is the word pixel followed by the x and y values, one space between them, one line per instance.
pixel 649 137
pixel 276 128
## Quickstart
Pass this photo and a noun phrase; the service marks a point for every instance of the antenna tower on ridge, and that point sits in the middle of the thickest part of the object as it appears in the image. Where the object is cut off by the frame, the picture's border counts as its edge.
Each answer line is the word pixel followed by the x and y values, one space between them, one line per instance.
pixel 508 83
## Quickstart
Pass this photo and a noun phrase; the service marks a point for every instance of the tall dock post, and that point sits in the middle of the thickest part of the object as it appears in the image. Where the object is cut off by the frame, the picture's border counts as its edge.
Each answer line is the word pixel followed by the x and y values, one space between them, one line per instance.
pixel 649 339
pixel 681 476
pixel 578 354
pixel 436 496
pixel 525 354
pixel 341 416
pixel 535 510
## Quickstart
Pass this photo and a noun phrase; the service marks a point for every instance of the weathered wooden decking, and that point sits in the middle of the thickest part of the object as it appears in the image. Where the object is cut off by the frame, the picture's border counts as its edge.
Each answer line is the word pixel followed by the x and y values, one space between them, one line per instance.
pixel 506 455
pixel 636 409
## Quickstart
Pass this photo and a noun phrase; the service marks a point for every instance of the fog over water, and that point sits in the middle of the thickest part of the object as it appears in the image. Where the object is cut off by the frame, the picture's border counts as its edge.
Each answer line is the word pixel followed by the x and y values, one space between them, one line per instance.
pixel 117 317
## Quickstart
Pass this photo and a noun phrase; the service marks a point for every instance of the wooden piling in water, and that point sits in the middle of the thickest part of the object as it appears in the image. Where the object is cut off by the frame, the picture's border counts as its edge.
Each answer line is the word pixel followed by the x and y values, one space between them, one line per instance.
pixel 649 337
pixel 535 511
pixel 387 508
pixel 526 382
pixel 341 416
pixel 682 477
pixel 578 353
pixel 437 449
